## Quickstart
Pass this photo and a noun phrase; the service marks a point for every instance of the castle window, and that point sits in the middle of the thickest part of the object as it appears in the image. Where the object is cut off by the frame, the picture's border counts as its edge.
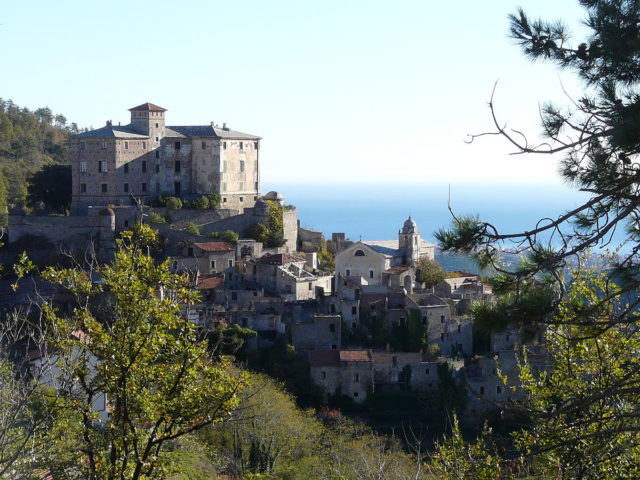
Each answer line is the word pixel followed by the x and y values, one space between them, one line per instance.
pixel 242 199
pixel 204 145
pixel 176 145
pixel 144 167
pixel 157 139
pixel 190 252
pixel 157 168
pixel 356 378
pixel 176 166
pixel 241 146
pixel 144 188
pixel 125 169
pixel 424 320
pixel 126 188
pixel 426 371
pixel 323 375
pixel 441 318
pixel 177 189
pixel 212 264
pixel 103 188
pixel 458 328
pixel 354 310
pixel 359 253
pixel 126 223
pixel 157 125
pixel 157 153
pixel 242 165
pixel 83 145
pixel 442 337
pixel 394 361
pixel 103 145
pixel 103 166
pixel 355 394
pixel 144 145
pixel 126 145
pixel 83 166
pixel 230 263
pixel 332 327
pixel 83 188
pixel 224 145
pixel 481 390
pixel 310 285
pixel 157 187
pixel 498 389
pixel 224 200
pixel 370 273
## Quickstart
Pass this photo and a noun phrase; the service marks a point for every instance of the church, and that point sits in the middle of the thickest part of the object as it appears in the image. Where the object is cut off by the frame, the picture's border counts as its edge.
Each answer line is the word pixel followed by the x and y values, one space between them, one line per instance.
pixel 118 165
pixel 381 264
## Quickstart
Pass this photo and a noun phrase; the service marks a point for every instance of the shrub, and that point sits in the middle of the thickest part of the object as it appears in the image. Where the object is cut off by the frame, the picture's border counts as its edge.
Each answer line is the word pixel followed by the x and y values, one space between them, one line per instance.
pixel 213 234
pixel 201 203
pixel 155 218
pixel 258 231
pixel 173 203
pixel 192 228
pixel 229 236
pixel 214 201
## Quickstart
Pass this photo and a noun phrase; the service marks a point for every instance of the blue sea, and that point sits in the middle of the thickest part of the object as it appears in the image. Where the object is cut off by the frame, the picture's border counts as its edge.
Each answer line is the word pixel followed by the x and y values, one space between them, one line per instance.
pixel 377 211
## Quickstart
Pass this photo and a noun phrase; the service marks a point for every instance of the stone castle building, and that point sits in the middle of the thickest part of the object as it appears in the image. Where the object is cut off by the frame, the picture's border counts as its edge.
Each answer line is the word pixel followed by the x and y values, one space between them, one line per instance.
pixel 114 165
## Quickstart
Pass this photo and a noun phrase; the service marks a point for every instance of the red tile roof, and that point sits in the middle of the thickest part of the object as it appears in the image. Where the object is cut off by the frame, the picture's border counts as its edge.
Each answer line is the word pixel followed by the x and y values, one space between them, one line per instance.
pixel 458 274
pixel 148 106
pixel 214 246
pixel 279 259
pixel 209 283
pixel 332 358
pixel 397 270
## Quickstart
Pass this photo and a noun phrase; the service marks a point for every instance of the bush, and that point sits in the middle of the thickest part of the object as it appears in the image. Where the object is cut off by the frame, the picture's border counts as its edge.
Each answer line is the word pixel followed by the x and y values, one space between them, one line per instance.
pixel 192 228
pixel 214 201
pixel 258 231
pixel 229 236
pixel 155 218
pixel 173 203
pixel 213 234
pixel 201 203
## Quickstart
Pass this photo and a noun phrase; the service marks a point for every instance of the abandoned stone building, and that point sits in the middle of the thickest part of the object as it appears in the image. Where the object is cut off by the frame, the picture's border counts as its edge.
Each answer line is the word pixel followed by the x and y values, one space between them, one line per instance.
pixel 146 158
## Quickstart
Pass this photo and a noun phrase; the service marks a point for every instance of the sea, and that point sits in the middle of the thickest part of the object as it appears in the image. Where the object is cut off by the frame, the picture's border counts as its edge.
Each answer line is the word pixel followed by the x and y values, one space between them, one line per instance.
pixel 376 211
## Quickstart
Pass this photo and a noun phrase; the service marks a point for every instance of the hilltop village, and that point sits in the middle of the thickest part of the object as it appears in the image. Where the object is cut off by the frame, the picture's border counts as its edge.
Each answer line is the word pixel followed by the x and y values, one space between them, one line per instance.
pixel 354 313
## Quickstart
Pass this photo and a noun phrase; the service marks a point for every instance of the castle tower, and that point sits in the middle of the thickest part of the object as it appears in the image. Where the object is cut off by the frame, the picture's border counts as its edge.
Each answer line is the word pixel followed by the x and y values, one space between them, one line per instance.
pixel 149 119
pixel 409 241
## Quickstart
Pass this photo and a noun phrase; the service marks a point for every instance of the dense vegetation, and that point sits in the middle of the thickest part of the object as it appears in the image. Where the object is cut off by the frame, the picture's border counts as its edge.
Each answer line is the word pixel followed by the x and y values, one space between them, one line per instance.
pixel 29 140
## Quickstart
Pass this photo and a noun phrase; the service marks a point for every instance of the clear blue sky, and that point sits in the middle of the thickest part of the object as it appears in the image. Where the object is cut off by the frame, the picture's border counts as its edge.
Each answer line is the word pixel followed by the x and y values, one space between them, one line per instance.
pixel 346 91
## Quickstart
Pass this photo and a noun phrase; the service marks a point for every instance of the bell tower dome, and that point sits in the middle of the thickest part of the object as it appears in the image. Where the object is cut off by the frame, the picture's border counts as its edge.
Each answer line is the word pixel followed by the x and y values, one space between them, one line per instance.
pixel 409 241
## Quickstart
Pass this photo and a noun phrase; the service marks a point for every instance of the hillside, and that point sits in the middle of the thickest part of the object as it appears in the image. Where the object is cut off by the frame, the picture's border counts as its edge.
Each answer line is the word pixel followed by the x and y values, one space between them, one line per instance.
pixel 28 141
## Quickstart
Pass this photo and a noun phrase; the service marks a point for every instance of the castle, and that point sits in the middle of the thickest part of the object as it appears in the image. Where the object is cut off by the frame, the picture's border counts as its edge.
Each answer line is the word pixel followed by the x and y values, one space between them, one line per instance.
pixel 114 165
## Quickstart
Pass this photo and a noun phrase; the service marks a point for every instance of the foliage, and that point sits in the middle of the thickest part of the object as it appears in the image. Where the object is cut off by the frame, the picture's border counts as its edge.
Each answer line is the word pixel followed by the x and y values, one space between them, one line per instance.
pixel 155 218
pixel 326 259
pixel 172 203
pixel 275 237
pixel 147 358
pixel 584 406
pixel 429 272
pixel 454 459
pixel 229 340
pixel 29 140
pixel 143 237
pixel 258 231
pixel 214 201
pixel 201 203
pixel 191 228
pixel 51 186
pixel 229 236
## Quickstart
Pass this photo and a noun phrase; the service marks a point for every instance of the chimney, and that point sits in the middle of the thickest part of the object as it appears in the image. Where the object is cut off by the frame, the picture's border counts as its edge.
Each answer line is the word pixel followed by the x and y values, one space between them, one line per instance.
pixel 108 123
pixel 213 124
pixel 118 123
pixel 224 126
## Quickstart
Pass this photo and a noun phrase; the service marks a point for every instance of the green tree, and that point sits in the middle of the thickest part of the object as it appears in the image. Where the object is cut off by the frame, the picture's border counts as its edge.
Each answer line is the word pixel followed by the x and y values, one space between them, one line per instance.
pixel 191 228
pixel 214 201
pixel 583 408
pixel 51 186
pixel 201 203
pixel 229 236
pixel 258 231
pixel 158 376
pixel 172 203
pixel 429 272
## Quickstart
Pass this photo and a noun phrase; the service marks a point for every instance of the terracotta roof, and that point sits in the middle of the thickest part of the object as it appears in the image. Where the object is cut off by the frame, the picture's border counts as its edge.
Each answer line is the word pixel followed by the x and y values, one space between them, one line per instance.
pixel 332 358
pixel 458 274
pixel 279 259
pixel 149 107
pixel 210 282
pixel 397 270
pixel 214 246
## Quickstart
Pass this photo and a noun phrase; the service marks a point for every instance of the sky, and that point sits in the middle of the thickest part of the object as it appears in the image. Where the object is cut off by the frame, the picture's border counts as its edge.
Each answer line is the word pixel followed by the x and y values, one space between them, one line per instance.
pixel 341 92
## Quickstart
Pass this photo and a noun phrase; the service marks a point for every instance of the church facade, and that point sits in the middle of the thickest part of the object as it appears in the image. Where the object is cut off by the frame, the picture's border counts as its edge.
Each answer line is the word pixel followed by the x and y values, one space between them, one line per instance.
pixel 120 165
